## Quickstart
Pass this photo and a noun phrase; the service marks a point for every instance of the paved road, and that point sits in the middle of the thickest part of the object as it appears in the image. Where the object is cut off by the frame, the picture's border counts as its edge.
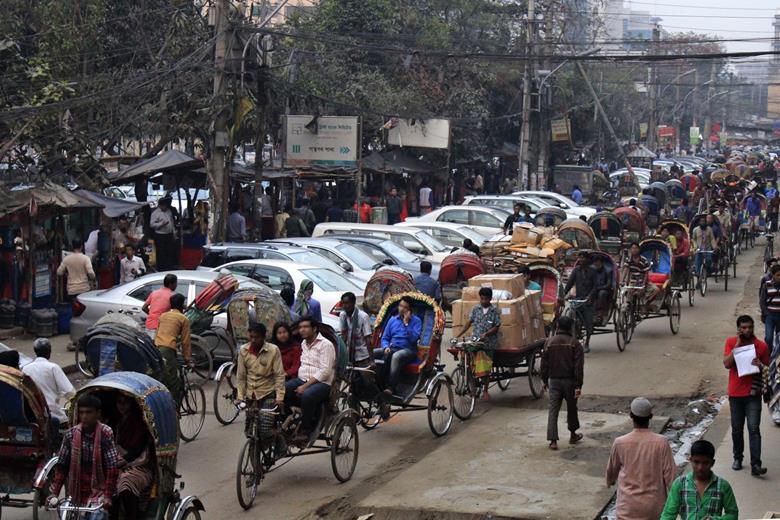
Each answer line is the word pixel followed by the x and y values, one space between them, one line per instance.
pixel 656 364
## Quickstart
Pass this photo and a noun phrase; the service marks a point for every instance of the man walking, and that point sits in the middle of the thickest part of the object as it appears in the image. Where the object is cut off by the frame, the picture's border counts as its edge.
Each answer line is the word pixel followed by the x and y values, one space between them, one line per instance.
pixel 131 266
pixel 425 199
pixel 236 227
pixel 769 301
pixel 80 272
pixel 562 368
pixel 745 395
pixel 642 465
pixel 163 225
pixel 393 207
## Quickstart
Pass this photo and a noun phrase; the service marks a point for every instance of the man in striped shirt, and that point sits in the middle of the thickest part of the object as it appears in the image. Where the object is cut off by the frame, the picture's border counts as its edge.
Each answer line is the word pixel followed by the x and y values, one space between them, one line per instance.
pixel 769 300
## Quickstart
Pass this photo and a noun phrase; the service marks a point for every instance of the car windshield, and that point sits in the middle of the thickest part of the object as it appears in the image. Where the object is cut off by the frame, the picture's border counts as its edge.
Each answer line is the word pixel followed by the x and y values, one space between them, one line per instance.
pixel 312 258
pixel 431 242
pixel 328 280
pixel 357 256
pixel 398 252
pixel 471 234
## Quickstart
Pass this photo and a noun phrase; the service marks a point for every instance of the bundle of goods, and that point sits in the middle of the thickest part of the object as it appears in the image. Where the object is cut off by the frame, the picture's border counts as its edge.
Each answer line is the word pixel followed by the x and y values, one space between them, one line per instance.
pixel 118 343
pixel 528 244
pixel 384 283
pixel 211 301
pixel 522 322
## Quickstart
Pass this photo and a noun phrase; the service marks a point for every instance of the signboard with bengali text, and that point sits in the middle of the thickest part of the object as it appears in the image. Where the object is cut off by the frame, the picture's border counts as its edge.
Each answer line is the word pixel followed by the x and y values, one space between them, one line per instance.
pixel 328 141
pixel 560 129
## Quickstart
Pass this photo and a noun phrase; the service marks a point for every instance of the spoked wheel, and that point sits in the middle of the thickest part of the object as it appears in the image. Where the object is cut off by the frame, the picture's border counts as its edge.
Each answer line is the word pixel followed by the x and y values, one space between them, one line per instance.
pixel 691 289
pixel 191 513
pixel 703 275
pixel 202 360
pixel 726 277
pixel 440 407
pixel 39 511
pixel 249 473
pixel 224 396
pixel 630 320
pixel 369 414
pixel 82 363
pixel 465 399
pixel 344 449
pixel 192 412
pixel 534 361
pixel 506 374
pixel 674 313
pixel 620 328
pixel 734 267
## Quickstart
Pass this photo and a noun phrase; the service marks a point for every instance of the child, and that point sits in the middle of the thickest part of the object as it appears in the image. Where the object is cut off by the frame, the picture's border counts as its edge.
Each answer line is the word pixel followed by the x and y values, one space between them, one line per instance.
pixel 486 321
pixel 701 495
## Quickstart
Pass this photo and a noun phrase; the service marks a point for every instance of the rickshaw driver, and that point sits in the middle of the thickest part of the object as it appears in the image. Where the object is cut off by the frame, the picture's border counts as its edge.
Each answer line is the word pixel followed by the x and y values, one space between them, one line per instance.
pixel 260 375
pixel 315 375
pixel 681 254
pixel 602 289
pixel 583 281
pixel 88 458
pixel 638 271
pixel 753 208
pixel 704 241
pixel 399 343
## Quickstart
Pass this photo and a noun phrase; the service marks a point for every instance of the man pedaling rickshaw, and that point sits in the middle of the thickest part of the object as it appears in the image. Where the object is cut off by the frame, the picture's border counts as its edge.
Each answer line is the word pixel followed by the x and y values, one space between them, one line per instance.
pixel 638 276
pixel 705 242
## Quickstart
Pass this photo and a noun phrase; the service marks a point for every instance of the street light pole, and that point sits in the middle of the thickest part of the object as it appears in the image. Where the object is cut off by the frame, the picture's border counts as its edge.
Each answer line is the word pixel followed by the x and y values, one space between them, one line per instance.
pixel 525 129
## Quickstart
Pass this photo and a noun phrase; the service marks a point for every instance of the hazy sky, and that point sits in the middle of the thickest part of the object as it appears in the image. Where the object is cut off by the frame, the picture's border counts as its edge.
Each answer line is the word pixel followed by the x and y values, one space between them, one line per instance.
pixel 729 19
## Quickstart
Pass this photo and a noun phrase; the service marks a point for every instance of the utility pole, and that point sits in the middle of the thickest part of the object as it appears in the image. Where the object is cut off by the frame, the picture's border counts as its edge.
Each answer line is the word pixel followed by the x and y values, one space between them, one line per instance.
pixel 217 170
pixel 260 105
pixel 543 148
pixel 604 117
pixel 694 104
pixel 674 116
pixel 708 117
pixel 651 127
pixel 525 129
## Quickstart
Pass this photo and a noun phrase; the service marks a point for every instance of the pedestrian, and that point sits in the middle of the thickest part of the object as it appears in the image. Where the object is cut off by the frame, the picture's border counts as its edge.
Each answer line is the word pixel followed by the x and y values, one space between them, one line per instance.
pixel 641 463
pixel 294 225
pixel 425 199
pixel 745 395
pixel 307 215
pixel 131 266
pixel 280 220
pixel 122 235
pixel 163 226
pixel 576 194
pixel 50 380
pixel 174 329
pixel 425 284
pixel 364 210
pixel 305 306
pixel 769 302
pixel 236 227
pixel 288 296
pixel 479 184
pixel 514 218
pixel 78 267
pixel 701 495
pixel 267 231
pixel 393 207
pixel 773 208
pixel 562 369
pixel 335 212
pixel 159 302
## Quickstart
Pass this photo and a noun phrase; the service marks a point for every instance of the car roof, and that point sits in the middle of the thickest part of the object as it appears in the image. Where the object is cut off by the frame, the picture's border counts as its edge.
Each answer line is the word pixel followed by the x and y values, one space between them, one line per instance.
pixel 201 275
pixel 325 240
pixel 255 245
pixel 433 223
pixel 288 264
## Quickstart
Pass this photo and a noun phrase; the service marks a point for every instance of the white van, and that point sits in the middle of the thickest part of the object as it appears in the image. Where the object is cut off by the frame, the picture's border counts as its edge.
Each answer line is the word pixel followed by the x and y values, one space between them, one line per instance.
pixel 415 240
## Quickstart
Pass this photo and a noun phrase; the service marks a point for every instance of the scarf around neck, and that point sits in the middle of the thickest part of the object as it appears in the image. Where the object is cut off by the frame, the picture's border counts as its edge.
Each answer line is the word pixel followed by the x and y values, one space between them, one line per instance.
pixel 74 472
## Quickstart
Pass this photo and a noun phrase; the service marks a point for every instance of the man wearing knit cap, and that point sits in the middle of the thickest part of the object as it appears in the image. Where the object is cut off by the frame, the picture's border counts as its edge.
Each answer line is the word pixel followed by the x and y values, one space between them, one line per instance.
pixel 642 465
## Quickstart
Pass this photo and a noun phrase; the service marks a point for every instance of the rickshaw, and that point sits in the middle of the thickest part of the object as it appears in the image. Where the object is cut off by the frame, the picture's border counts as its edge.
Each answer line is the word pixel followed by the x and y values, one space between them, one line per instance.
pixel 676 192
pixel 550 217
pixel 549 279
pixel 335 433
pixel 608 229
pixel 27 441
pixel 718 176
pixel 422 380
pixel 384 283
pixel 158 411
pixel 455 272
pixel 263 305
pixel 682 277
pixel 721 258
pixel 578 235
pixel 690 182
pixel 659 254
pixel 608 320
pixel 634 228
pixel 749 230
pixel 658 190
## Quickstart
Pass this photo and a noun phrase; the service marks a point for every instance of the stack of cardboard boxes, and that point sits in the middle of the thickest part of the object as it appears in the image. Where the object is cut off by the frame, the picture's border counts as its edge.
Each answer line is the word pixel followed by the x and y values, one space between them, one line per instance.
pixel 521 316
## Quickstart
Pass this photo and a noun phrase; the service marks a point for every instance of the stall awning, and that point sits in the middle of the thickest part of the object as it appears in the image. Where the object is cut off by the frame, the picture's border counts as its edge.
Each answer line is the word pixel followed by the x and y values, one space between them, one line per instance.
pixel 47 194
pixel 396 162
pixel 112 207
pixel 172 160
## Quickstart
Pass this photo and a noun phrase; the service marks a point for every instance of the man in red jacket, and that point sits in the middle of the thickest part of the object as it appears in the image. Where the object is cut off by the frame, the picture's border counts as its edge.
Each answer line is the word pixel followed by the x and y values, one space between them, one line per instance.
pixel 745 395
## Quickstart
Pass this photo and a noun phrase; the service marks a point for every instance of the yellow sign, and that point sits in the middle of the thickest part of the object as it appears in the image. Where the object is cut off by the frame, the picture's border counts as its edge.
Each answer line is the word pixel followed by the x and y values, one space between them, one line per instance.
pixel 560 129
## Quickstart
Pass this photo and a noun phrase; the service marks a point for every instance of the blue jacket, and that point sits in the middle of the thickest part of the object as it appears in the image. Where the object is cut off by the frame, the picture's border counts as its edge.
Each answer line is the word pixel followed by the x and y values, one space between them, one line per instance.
pixel 427 285
pixel 400 336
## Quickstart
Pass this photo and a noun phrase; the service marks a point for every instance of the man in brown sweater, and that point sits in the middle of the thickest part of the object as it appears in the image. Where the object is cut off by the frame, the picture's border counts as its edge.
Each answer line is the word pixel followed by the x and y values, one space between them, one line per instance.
pixel 563 361
pixel 78 267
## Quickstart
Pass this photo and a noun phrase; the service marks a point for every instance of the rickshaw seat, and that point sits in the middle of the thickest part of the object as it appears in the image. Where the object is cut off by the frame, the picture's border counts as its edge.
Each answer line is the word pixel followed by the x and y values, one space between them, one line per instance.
pixel 417 365
pixel 549 290
pixel 426 338
pixel 12 410
pixel 658 278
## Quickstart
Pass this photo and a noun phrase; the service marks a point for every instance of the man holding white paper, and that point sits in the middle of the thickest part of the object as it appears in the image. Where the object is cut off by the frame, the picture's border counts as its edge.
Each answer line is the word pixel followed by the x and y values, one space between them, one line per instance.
pixel 743 356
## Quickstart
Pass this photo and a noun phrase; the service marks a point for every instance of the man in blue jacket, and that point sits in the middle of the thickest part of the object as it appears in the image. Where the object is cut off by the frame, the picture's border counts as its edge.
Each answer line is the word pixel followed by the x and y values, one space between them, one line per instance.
pixel 399 343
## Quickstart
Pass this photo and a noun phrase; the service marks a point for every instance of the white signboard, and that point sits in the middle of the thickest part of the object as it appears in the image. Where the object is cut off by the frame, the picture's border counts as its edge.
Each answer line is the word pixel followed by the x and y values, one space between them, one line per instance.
pixel 331 141
pixel 428 133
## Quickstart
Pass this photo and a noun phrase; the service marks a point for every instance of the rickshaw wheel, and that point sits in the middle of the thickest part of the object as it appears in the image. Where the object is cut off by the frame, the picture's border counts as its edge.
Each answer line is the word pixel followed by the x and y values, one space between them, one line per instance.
pixel 675 313
pixel 535 374
pixel 464 401
pixel 503 384
pixel 191 513
pixel 440 408
pixel 84 367
pixel 344 449
pixel 192 412
pixel 620 328
pixel 691 289
pixel 224 394
pixel 249 473
pixel 201 357
pixel 726 277
pixel 703 280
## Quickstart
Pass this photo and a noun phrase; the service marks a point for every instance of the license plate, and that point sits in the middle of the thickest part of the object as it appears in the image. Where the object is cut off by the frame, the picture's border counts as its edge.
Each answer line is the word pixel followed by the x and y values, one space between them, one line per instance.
pixel 24 434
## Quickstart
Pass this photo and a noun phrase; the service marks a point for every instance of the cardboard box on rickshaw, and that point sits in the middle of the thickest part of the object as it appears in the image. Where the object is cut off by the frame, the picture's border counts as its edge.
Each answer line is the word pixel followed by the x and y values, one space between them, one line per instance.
pixel 512 283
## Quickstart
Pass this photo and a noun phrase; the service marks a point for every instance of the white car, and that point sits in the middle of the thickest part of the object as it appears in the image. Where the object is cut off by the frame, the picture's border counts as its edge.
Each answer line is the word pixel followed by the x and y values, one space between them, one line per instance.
pixel 415 240
pixel 506 202
pixel 642 177
pixel 484 220
pixel 562 201
pixel 447 233
pixel 278 274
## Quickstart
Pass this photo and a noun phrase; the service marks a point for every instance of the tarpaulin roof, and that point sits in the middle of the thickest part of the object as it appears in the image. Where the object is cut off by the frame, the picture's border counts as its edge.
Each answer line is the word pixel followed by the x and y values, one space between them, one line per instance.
pixel 112 207
pixel 48 194
pixel 165 162
pixel 641 153
pixel 397 162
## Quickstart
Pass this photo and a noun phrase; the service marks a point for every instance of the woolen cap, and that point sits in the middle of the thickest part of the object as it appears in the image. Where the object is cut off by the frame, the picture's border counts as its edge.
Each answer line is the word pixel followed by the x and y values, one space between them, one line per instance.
pixel 641 407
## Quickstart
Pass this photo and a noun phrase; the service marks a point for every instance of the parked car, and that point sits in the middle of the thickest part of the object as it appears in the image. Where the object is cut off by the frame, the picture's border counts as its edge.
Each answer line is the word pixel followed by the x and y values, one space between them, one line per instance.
pixel 387 252
pixel 506 202
pixel 278 274
pixel 448 233
pixel 129 297
pixel 562 201
pixel 219 254
pixel 417 241
pixel 358 263
pixel 487 221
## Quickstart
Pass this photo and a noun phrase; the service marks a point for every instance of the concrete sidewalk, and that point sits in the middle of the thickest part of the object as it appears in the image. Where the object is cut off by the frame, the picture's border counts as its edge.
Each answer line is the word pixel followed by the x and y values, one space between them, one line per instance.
pixel 756 496
pixel 59 349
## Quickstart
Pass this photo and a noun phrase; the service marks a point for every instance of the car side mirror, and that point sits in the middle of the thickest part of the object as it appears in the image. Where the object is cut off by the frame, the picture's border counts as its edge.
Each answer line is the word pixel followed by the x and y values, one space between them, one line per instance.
pixel 388 261
pixel 562 206
pixel 346 266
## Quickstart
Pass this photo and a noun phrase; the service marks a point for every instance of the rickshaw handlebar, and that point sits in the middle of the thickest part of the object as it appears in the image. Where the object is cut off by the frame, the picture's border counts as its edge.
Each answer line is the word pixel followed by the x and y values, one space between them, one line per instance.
pixel 66 507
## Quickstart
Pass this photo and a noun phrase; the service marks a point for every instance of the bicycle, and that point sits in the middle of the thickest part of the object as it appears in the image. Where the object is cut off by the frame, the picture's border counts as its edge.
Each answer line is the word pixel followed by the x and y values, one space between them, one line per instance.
pixel 192 408
pixel 353 395
pixel 225 393
pixel 256 457
pixel 769 248
pixel 467 386
pixel 703 272
pixel 572 309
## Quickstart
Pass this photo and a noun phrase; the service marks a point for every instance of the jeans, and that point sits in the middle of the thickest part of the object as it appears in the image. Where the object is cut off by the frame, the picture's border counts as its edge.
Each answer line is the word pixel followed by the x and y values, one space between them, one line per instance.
pixel 309 401
pixel 398 359
pixel 698 259
pixel 746 408
pixel 560 390
pixel 771 327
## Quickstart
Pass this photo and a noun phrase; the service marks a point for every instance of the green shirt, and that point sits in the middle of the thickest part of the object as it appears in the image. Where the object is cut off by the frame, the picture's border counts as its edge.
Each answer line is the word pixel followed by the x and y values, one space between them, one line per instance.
pixel 718 502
